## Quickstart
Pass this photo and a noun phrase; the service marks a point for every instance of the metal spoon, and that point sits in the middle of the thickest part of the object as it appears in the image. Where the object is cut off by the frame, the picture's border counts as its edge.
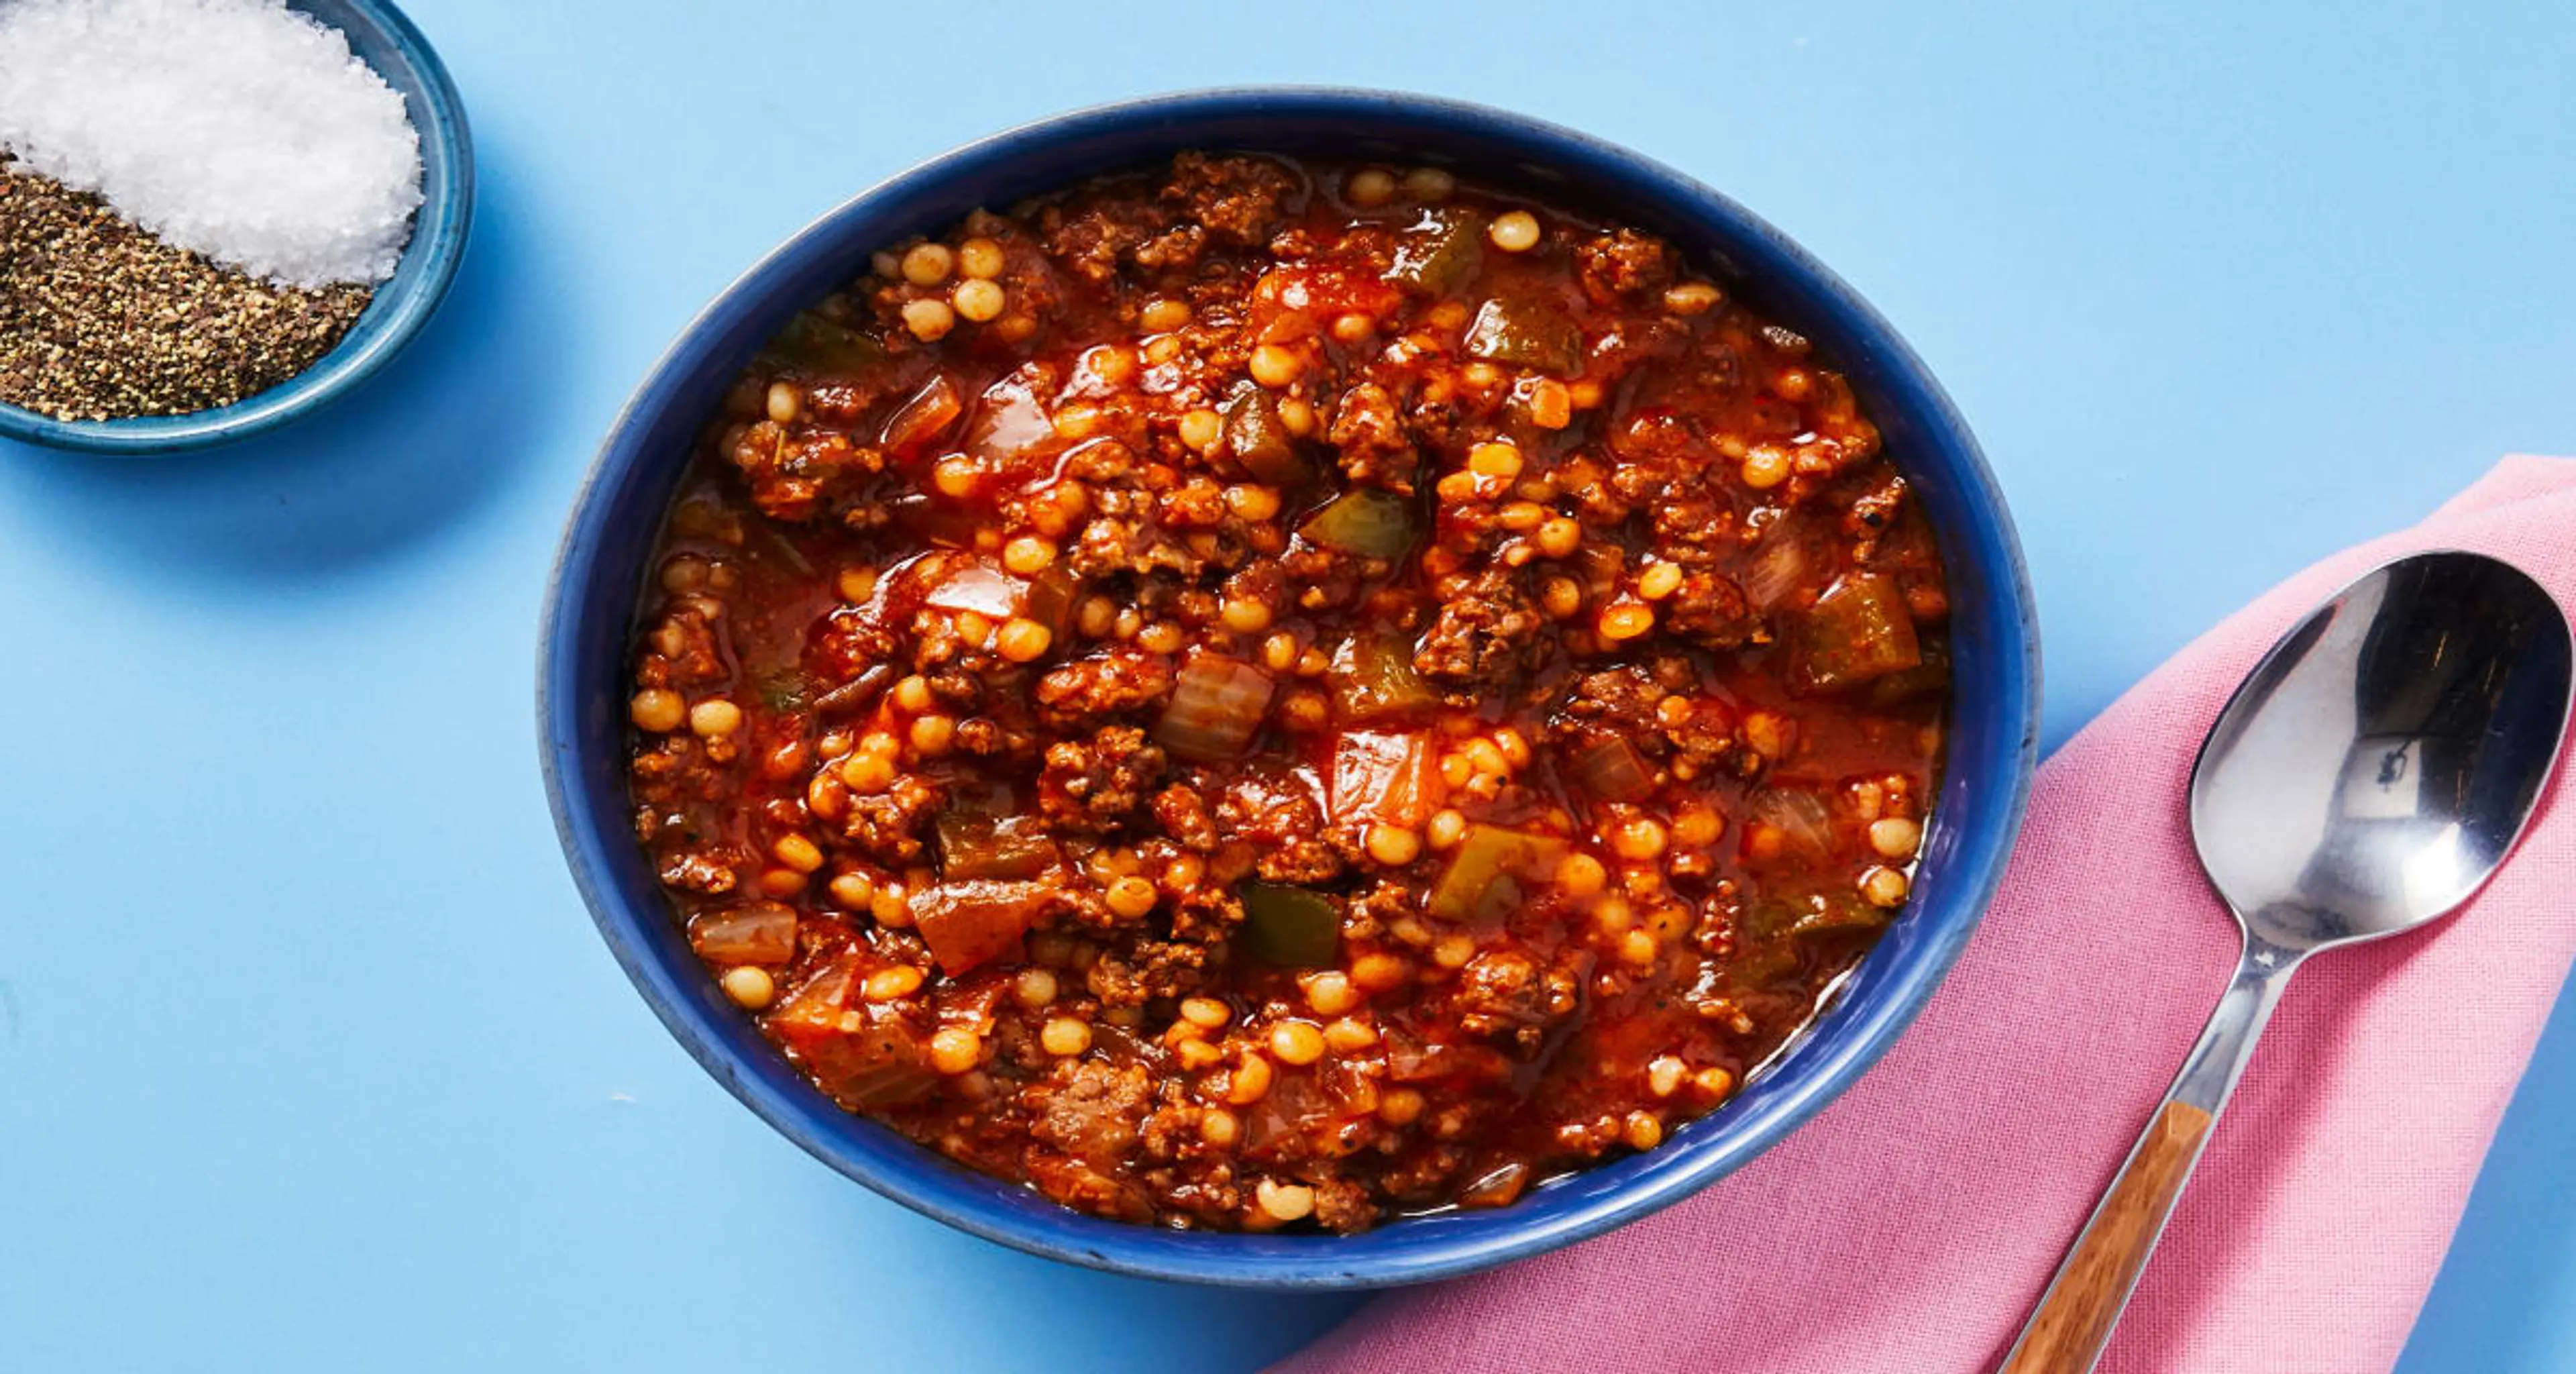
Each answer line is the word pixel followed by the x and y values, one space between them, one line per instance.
pixel 2369 777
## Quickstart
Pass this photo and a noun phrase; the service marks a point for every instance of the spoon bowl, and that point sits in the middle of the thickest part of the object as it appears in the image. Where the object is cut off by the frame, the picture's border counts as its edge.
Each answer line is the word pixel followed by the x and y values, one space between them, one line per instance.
pixel 2377 765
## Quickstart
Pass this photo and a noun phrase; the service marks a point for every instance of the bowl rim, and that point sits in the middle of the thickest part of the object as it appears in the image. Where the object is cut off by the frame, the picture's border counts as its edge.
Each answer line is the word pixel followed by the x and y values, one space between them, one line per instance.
pixel 439 231
pixel 1019 1218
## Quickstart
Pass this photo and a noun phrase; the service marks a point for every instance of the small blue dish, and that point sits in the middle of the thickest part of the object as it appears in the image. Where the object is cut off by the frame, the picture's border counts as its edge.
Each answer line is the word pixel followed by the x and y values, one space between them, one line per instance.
pixel 591 607
pixel 385 40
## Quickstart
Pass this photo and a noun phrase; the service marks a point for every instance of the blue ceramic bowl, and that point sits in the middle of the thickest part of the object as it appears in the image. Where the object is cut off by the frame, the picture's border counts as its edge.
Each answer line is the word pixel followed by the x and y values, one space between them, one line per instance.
pixel 591 608
pixel 382 38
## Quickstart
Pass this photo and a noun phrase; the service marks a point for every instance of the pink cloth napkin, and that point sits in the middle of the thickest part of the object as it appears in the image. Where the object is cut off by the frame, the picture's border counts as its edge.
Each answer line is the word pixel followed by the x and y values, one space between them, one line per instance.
pixel 1911 1225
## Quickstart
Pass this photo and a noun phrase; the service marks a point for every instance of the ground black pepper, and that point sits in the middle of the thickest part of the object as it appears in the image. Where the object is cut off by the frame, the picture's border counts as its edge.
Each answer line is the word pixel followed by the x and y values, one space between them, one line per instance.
pixel 99 319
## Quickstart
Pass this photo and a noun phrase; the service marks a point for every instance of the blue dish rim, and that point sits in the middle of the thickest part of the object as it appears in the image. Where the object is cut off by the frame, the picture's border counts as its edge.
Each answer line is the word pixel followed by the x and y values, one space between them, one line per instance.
pixel 1970 839
pixel 387 41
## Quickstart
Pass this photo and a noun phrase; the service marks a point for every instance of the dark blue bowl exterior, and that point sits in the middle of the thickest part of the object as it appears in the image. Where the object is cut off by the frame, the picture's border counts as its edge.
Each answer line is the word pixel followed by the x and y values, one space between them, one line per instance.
pixel 382 38
pixel 1992 746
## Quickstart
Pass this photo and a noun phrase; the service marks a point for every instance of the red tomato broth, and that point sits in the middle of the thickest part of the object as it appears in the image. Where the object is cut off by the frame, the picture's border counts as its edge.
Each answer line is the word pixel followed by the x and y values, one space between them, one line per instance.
pixel 1553 892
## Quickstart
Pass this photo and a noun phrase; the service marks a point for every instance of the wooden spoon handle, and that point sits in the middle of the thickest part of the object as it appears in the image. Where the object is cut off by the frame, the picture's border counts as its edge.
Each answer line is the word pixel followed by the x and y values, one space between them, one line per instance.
pixel 2073 1322
pixel 2067 1332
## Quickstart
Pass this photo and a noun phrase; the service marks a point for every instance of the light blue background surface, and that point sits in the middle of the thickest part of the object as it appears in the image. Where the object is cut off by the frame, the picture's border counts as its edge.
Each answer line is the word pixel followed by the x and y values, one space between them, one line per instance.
pixel 309 1056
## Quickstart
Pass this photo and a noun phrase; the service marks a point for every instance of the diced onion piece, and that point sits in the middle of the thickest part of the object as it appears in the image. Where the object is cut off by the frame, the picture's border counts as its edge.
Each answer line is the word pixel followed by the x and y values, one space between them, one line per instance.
pixel 971 586
pixel 1799 815
pixel 760 933
pixel 1217 706
pixel 1599 562
pixel 1611 768
pixel 1295 1105
pixel 1008 421
pixel 815 1007
pixel 878 1063
pixel 1367 522
pixel 881 1064
pixel 1776 569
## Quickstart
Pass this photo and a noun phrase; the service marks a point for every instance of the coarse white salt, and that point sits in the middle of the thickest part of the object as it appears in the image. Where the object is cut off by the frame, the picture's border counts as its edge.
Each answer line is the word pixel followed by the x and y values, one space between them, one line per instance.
pixel 237 128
